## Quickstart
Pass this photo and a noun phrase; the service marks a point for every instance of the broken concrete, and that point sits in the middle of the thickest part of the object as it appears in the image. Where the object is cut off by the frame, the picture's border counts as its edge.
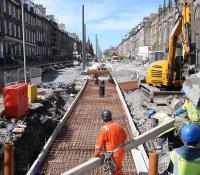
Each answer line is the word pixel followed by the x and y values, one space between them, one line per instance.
pixel 31 133
pixel 191 88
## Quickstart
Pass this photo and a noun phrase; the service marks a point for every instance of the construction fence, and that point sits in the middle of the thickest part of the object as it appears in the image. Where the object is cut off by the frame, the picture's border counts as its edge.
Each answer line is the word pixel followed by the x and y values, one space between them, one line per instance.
pixel 33 76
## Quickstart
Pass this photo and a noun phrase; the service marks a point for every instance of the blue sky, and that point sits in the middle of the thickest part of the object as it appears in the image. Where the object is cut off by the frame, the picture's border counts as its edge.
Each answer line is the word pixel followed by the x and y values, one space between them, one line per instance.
pixel 109 19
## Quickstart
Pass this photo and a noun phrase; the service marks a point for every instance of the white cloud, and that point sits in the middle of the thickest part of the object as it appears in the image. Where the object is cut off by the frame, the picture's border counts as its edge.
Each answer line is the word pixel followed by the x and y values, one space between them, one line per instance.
pixel 113 24
pixel 105 15
pixel 98 15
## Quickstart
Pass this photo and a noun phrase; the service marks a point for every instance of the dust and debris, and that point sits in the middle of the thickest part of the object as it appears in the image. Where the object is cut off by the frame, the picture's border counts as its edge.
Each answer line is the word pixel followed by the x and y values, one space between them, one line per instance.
pixel 138 107
pixel 30 133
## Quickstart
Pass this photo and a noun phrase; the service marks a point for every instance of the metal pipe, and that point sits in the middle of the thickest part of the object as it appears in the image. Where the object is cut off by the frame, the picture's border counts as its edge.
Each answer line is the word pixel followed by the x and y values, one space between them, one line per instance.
pixel 85 56
pixel 9 158
pixel 153 163
pixel 96 45
pixel 83 38
pixel 23 39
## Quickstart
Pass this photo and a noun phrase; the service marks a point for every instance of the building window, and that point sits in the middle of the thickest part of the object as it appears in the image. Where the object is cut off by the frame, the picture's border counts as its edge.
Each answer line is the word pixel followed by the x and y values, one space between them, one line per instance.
pixel 6 48
pixel 14 11
pixel 26 35
pixel 1 50
pixel 4 6
pixel 27 20
pixel 25 17
pixel 29 33
pixel 9 9
pixel 18 14
pixel 15 30
pixel 20 50
pixel 10 28
pixel 5 27
pixel 34 21
pixel 15 50
pixel 19 32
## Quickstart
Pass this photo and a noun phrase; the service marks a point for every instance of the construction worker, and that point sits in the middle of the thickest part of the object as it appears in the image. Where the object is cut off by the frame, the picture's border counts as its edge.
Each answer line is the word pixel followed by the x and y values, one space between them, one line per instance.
pixel 111 138
pixel 186 159
pixel 158 119
pixel 193 113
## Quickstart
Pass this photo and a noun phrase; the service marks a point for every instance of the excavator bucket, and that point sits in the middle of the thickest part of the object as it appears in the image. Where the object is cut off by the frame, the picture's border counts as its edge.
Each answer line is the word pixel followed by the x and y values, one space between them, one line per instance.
pixel 192 88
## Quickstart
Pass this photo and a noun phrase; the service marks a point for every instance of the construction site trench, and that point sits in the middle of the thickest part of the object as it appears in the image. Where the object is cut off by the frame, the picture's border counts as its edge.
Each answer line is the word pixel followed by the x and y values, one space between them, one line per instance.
pixel 54 99
pixel 75 143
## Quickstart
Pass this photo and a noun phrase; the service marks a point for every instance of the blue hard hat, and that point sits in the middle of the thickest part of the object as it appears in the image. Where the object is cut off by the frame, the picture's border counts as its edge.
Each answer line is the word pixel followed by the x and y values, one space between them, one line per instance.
pixel 150 112
pixel 190 134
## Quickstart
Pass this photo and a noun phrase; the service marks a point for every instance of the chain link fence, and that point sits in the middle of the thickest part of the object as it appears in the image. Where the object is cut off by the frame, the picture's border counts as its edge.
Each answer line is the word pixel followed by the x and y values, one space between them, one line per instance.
pixel 15 76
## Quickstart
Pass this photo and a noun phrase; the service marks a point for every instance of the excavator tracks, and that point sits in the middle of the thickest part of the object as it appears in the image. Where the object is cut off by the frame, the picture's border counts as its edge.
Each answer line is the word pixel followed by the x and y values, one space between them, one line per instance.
pixel 74 145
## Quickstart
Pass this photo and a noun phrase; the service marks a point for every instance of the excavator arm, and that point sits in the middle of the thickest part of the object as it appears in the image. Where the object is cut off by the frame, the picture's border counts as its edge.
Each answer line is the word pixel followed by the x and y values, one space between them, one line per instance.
pixel 186 25
pixel 181 27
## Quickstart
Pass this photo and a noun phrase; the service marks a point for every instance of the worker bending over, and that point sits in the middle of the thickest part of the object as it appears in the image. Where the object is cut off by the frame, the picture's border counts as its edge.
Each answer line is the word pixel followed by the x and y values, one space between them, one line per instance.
pixel 193 112
pixel 186 160
pixel 111 138
pixel 158 119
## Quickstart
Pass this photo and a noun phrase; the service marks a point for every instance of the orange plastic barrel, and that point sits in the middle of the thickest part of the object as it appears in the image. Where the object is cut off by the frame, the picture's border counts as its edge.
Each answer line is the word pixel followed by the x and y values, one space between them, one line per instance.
pixel 15 100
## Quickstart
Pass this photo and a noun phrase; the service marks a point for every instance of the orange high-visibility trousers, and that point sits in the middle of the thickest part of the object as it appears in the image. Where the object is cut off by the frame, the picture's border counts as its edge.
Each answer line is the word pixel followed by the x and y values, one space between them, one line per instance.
pixel 110 136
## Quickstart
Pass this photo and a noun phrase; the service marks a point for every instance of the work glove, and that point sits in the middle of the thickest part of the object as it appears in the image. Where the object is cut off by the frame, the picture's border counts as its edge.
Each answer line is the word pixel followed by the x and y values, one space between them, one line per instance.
pixel 170 114
pixel 178 111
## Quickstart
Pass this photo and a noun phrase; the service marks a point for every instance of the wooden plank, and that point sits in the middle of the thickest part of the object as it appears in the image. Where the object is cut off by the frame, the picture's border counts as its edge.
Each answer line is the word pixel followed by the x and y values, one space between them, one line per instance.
pixel 97 72
pixel 134 84
pixel 97 161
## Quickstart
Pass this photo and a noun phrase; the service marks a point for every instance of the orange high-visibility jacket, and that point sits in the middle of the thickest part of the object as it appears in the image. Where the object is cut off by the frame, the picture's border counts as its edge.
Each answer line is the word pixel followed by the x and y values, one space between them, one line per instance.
pixel 109 137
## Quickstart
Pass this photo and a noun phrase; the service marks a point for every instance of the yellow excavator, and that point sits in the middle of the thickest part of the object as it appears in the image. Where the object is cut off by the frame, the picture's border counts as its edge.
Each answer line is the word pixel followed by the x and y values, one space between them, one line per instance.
pixel 167 73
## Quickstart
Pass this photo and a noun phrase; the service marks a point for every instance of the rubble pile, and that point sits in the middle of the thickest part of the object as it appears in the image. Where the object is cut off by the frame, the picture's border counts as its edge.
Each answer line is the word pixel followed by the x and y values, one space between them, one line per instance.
pixel 31 133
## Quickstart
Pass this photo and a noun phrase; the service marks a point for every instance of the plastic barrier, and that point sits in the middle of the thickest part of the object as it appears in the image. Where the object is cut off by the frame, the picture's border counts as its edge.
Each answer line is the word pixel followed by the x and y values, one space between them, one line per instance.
pixel 32 92
pixel 15 100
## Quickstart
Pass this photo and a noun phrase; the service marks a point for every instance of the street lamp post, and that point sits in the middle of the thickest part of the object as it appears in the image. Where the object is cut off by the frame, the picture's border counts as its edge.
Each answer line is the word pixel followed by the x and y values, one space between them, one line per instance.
pixel 83 38
pixel 23 40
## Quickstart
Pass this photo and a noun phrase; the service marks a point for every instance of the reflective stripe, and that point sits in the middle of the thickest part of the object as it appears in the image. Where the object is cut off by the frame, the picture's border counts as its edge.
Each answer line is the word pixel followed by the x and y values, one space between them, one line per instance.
pixel 106 128
pixel 192 111
pixel 176 157
pixel 98 147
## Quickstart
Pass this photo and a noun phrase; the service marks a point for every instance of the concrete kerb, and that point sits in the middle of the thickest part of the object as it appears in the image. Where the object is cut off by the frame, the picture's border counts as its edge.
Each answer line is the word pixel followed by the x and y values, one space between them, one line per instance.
pixel 140 157
pixel 37 163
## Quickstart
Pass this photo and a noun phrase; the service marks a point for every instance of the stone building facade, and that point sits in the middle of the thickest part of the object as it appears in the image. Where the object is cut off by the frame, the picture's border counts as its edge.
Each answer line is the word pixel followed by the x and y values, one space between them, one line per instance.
pixel 45 42
pixel 196 28
pixel 155 29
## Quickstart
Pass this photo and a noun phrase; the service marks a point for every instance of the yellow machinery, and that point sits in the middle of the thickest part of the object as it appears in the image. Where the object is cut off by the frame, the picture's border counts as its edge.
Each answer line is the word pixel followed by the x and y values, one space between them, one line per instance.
pixel 167 73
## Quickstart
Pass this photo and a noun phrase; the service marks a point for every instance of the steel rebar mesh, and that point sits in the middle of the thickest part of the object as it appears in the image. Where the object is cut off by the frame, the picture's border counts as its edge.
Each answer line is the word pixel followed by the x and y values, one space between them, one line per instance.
pixel 75 143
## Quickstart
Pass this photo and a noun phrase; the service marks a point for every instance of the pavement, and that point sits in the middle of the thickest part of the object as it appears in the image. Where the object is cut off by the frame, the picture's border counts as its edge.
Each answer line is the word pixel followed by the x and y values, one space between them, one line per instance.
pixel 125 72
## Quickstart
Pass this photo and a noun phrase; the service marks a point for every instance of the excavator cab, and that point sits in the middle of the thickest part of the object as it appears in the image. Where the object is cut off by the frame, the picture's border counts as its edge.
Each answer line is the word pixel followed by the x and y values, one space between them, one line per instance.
pixel 167 73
